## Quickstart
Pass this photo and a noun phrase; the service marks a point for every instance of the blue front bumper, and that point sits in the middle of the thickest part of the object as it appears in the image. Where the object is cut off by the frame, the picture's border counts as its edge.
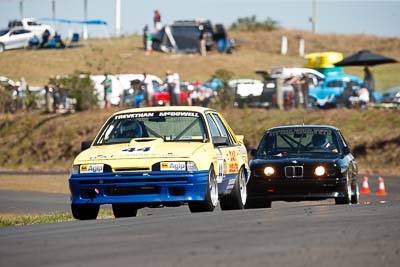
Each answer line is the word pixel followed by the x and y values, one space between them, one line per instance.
pixel 138 187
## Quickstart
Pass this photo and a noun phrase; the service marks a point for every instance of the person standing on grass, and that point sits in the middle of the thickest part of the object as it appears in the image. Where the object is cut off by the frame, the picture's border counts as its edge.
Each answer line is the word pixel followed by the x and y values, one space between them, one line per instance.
pixel 305 86
pixel 169 82
pixel 107 84
pixel 157 20
pixel 148 89
pixel 293 81
pixel 177 89
pixel 202 41
pixel 369 81
pixel 149 43
pixel 145 32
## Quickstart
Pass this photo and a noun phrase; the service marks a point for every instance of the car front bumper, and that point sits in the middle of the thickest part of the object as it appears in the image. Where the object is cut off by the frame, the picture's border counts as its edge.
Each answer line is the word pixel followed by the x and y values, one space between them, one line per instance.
pixel 138 187
pixel 295 188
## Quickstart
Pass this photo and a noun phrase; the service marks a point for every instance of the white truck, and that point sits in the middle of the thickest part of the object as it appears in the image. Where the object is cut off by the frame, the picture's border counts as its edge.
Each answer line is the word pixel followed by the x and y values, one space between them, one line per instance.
pixel 33 25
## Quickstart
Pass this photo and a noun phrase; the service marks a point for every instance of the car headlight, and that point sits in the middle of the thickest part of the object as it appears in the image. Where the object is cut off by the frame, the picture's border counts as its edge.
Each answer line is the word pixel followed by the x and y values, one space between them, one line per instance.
pixel 191 166
pixel 319 171
pixel 75 169
pixel 268 171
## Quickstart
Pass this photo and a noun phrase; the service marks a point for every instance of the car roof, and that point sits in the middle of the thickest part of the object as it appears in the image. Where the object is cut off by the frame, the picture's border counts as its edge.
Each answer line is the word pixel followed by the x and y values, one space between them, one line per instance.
pixel 304 126
pixel 125 78
pixel 247 81
pixel 296 71
pixel 393 89
pixel 166 108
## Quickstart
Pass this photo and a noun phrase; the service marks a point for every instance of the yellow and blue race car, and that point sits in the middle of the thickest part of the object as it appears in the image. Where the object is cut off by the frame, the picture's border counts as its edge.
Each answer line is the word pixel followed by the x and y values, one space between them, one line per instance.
pixel 160 156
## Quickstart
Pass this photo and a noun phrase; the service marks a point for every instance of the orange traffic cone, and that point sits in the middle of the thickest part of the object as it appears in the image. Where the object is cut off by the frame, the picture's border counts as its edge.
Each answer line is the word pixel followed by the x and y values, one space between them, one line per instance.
pixel 381 190
pixel 365 186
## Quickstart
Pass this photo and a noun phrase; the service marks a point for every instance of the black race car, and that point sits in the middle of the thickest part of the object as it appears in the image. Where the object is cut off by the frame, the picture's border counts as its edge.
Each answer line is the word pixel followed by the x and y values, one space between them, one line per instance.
pixel 309 162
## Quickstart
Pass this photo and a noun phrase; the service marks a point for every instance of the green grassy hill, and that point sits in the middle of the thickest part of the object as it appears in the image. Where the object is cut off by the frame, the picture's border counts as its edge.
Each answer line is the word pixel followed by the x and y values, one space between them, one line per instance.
pixel 258 51
pixel 50 141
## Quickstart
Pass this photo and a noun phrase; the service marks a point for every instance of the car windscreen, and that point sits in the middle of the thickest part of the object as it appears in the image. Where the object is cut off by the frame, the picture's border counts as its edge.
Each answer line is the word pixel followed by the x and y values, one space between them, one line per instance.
pixel 171 126
pixel 3 32
pixel 334 84
pixel 298 141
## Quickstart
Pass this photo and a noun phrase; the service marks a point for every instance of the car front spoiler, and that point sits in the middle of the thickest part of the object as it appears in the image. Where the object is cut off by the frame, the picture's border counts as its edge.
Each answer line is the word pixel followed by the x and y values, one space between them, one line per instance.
pixel 296 189
pixel 138 187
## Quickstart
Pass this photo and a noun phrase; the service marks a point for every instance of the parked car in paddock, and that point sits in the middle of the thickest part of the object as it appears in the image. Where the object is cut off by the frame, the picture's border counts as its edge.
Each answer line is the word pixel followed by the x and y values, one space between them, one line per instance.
pixel 162 97
pixel 392 96
pixel 336 90
pixel 14 38
pixel 245 90
pixel 32 25
pixel 295 163
pixel 160 156
pixel 252 93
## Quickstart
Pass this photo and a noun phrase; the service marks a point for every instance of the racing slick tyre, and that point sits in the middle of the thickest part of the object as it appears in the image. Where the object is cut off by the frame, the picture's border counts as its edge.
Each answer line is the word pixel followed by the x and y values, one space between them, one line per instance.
pixel 237 198
pixel 85 211
pixel 122 210
pixel 346 199
pixel 355 195
pixel 257 203
pixel 211 199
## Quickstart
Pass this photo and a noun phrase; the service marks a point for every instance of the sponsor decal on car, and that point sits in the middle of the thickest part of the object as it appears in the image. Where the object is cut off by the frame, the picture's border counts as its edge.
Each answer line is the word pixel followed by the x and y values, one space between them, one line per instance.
pixel 221 168
pixel 135 149
pixel 231 184
pixel 178 114
pixel 233 167
pixel 173 166
pixel 101 157
pixel 91 168
pixel 157 114
pixel 299 131
pixel 134 115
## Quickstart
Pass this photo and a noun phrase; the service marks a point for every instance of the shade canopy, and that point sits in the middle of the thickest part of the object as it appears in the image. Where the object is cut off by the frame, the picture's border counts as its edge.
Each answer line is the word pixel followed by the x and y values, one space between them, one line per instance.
pixel 69 21
pixel 365 58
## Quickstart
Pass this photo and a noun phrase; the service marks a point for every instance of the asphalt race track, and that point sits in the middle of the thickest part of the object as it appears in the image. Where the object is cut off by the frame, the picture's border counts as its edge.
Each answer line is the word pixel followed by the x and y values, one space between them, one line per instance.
pixel 316 233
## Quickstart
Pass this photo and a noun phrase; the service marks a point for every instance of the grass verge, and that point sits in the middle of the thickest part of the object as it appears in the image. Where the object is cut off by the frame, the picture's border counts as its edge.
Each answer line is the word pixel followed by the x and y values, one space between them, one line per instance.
pixel 55 217
pixel 35 183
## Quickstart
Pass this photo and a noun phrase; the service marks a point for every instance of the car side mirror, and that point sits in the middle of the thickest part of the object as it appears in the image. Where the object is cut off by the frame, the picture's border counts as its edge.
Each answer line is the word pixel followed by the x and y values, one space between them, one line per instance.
pixel 346 150
pixel 86 144
pixel 253 152
pixel 220 140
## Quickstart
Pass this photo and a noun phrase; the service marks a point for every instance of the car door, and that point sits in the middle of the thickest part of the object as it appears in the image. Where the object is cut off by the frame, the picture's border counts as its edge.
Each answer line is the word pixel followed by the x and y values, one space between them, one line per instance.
pixel 19 38
pixel 227 152
pixel 332 88
pixel 347 156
